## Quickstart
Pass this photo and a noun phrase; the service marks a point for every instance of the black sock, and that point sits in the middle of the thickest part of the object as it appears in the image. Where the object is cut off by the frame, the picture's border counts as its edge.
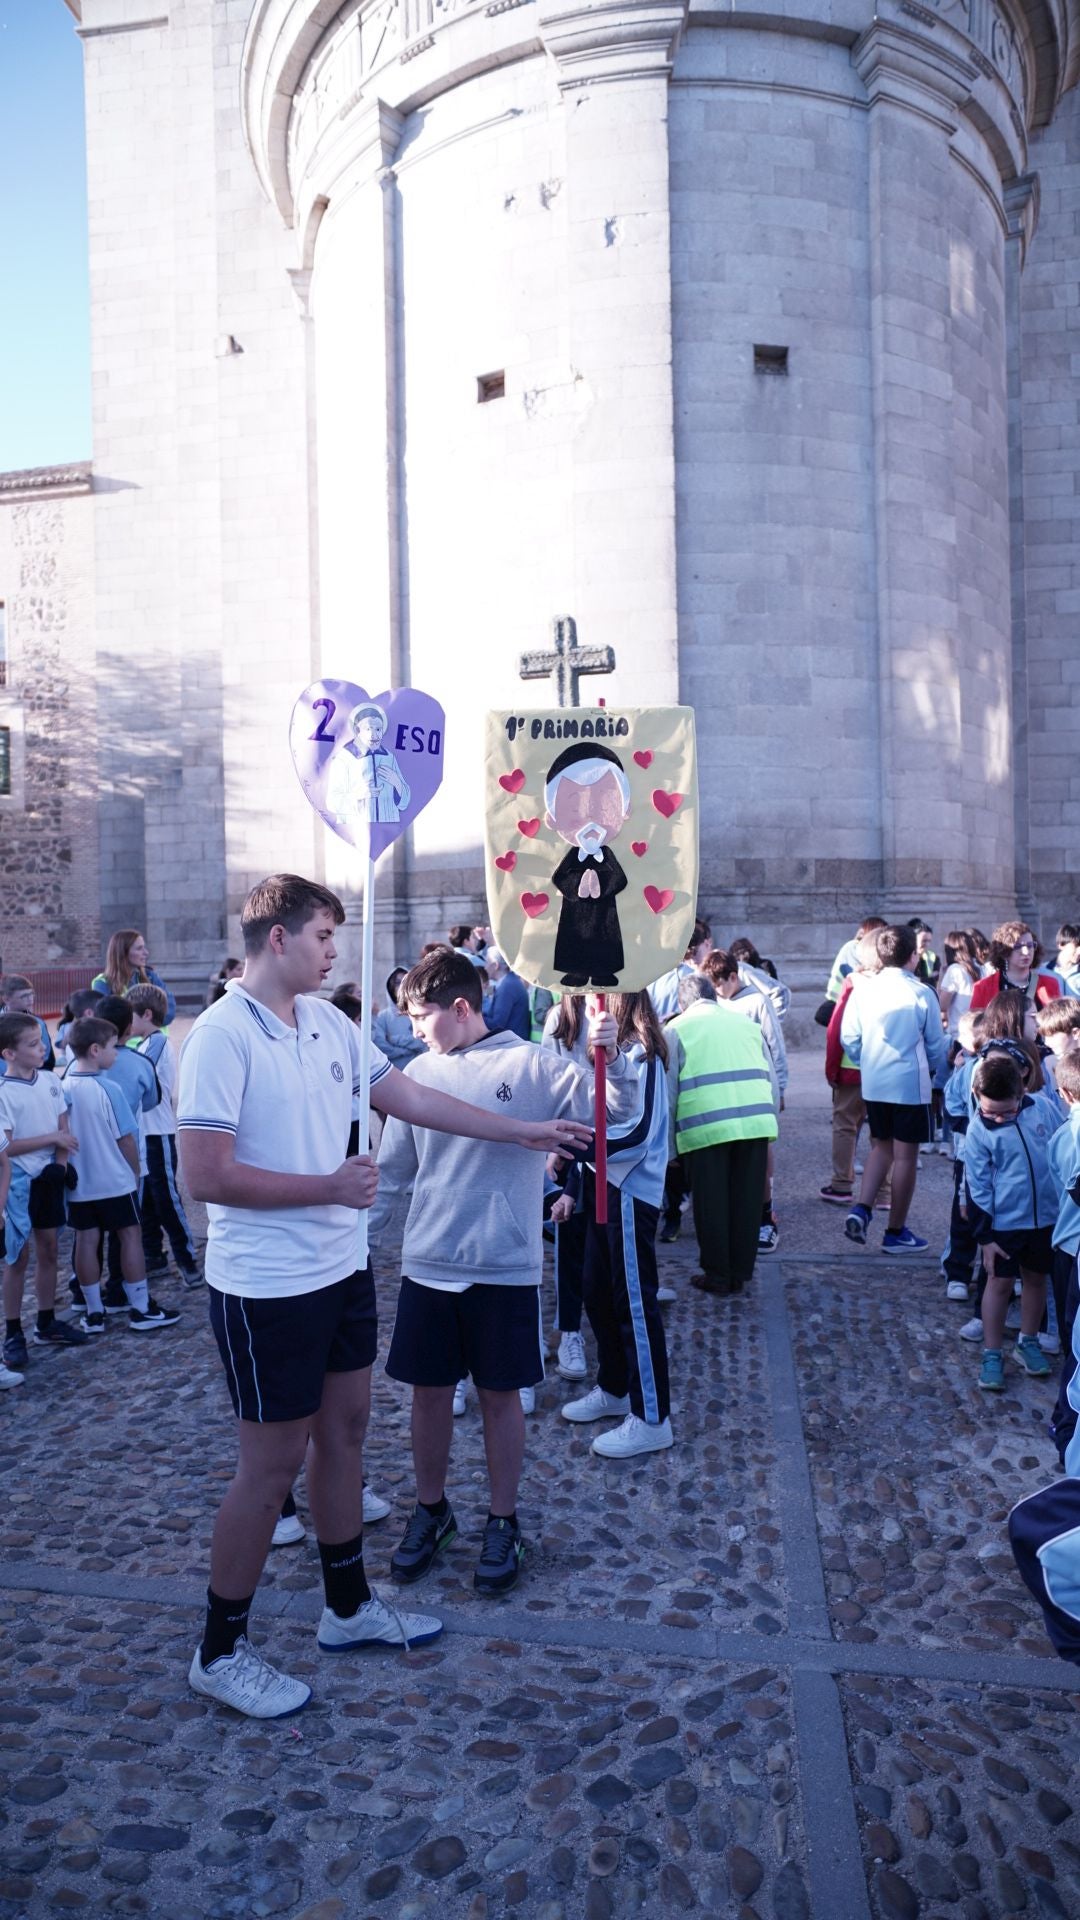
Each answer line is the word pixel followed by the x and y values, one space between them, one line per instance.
pixel 46 1316
pixel 343 1576
pixel 436 1508
pixel 226 1622
pixel 288 1507
pixel 510 1518
pixel 13 1328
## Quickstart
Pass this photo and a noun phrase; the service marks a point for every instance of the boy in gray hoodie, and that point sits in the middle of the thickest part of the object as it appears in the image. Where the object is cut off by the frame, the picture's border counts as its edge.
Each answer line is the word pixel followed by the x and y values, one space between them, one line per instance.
pixel 472 1256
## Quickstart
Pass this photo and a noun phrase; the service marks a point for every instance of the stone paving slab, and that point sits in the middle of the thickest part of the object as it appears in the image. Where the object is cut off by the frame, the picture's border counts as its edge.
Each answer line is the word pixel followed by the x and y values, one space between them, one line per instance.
pixel 914 1469
pixel 967 1798
pixel 467 1776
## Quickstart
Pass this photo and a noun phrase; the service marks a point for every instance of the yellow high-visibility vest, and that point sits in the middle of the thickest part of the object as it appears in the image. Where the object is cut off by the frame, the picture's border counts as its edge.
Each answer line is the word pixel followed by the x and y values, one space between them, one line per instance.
pixel 724 1088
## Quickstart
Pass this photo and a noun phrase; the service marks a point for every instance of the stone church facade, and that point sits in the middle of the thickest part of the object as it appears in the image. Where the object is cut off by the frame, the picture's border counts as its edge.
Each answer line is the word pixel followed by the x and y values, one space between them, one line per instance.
pixel 752 340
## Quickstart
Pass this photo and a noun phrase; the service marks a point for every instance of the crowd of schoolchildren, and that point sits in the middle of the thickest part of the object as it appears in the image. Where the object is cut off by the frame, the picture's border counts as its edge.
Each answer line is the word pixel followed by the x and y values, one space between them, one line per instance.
pixel 976 1056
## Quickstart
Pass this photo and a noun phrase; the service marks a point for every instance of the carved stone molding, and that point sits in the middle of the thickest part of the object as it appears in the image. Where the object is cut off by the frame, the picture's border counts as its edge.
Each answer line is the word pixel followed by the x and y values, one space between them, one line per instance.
pixel 908 69
pixel 611 39
pixel 1022 210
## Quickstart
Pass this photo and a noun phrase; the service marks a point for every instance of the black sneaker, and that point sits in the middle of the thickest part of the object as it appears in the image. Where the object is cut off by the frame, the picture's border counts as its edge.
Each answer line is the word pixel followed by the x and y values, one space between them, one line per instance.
pixel 153 1318
pixel 93 1323
pixel 157 1265
pixel 423 1538
pixel 113 1297
pixel 669 1229
pixel 191 1276
pixel 15 1353
pixel 60 1334
pixel 500 1556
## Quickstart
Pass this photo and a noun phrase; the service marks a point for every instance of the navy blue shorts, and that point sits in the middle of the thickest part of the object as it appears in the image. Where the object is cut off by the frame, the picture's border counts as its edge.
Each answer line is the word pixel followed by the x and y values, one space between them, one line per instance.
pixel 103 1216
pixel 277 1352
pixel 1032 1249
pixel 895 1120
pixel 490 1332
pixel 48 1195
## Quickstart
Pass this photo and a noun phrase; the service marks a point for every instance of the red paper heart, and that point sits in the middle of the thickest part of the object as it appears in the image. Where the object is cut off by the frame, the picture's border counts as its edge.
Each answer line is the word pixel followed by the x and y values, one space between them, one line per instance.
pixel 534 904
pixel 529 828
pixel 513 782
pixel 639 847
pixel 658 898
pixel 644 758
pixel 666 803
pixel 507 862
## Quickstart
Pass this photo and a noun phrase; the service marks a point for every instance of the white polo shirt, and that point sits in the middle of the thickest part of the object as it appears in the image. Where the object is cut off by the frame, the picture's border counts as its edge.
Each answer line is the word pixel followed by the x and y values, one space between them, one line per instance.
pixel 285 1094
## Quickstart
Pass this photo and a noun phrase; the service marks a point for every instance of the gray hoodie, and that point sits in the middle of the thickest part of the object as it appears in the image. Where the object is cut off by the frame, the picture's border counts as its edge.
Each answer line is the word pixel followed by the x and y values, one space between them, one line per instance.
pixel 476 1211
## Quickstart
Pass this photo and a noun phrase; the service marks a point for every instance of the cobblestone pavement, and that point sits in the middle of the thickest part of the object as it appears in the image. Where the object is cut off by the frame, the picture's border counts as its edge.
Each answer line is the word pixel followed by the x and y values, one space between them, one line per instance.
pixel 784 1672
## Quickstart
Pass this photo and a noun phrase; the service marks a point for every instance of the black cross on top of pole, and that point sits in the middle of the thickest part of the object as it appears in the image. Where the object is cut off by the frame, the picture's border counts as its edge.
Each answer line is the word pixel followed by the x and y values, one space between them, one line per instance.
pixel 567 661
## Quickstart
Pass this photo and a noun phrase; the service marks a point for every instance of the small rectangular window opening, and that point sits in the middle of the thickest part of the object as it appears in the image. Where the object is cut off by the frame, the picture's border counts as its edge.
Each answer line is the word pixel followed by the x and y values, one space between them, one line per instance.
pixel 491 386
pixel 5 760
pixel 770 359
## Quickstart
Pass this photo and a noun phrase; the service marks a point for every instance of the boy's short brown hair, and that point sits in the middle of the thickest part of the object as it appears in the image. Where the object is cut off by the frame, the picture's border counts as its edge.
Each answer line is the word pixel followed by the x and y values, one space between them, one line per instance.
pixel 998 1077
pixel 89 1032
pixel 1068 1075
pixel 12 1026
pixel 146 995
pixel 895 945
pixel 284 900
pixel 1058 1016
pixel 14 983
pixel 439 979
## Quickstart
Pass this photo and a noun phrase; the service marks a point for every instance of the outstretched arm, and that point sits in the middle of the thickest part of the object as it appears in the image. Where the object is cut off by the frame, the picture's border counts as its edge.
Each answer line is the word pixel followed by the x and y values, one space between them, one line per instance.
pixel 405 1099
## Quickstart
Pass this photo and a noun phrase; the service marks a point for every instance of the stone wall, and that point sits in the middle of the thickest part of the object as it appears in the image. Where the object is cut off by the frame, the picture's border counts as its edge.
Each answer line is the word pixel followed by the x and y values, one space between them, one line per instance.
pixel 1050 360
pixel 49 875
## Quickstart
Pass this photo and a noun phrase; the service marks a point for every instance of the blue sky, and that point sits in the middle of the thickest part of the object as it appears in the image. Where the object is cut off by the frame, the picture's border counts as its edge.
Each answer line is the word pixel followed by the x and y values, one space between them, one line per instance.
pixel 44 312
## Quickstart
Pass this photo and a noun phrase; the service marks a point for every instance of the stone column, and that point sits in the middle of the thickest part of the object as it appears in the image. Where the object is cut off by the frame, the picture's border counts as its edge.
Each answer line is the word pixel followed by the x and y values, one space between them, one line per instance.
pixel 613 61
pixel 1022 210
pixel 353 298
pixel 916 89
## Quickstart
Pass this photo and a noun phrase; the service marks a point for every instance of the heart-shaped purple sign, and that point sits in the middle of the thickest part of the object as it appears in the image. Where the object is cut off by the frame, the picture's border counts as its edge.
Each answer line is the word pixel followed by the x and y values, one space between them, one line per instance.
pixel 368 763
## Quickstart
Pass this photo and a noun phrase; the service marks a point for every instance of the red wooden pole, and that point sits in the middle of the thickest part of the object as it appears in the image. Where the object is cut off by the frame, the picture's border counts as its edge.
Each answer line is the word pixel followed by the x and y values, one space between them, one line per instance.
pixel 600 1120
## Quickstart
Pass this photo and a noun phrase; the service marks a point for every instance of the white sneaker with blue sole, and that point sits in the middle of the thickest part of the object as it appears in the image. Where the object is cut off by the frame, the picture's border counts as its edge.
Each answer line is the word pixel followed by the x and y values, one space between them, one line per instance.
pixel 376 1625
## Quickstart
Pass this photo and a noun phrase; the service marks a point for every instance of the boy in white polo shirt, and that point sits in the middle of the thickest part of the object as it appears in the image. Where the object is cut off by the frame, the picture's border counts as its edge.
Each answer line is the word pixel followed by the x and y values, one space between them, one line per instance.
pixel 267 1078
pixel 33 1114
pixel 108 1136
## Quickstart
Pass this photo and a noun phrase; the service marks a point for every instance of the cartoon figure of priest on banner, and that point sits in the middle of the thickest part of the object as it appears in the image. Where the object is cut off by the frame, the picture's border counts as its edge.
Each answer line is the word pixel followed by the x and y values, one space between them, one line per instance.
pixel 365 778
pixel 588 799
pixel 592 844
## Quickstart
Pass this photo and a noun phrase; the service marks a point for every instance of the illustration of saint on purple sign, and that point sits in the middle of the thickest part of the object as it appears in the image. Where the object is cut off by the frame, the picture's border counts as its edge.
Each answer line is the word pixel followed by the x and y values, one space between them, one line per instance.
pixel 368 765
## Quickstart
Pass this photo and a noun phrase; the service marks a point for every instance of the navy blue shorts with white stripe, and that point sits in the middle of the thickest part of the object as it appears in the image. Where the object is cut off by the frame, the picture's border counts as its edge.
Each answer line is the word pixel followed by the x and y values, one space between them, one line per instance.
pixel 277 1352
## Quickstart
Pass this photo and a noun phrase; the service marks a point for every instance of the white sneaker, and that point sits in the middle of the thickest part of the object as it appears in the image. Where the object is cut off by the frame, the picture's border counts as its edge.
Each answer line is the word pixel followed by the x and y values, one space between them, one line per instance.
pixel 461 1395
pixel 376 1625
pixel 665 1296
pixel 972 1329
pixel 375 1507
pixel 9 1378
pixel 1050 1343
pixel 571 1360
pixel 634 1436
pixel 527 1396
pixel 597 1405
pixel 249 1683
pixel 956 1290
pixel 288 1532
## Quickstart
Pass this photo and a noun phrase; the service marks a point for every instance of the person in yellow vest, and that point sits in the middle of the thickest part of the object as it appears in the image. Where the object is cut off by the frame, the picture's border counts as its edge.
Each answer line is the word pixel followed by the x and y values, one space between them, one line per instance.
pixel 722 1118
